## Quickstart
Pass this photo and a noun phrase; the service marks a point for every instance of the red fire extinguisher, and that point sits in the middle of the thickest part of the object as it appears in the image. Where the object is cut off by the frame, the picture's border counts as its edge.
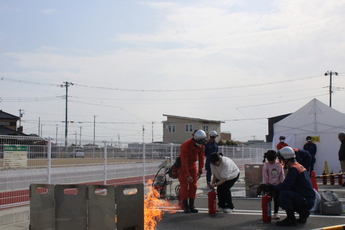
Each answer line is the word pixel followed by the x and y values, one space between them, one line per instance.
pixel 324 177
pixel 331 178
pixel 340 177
pixel 212 208
pixel 266 208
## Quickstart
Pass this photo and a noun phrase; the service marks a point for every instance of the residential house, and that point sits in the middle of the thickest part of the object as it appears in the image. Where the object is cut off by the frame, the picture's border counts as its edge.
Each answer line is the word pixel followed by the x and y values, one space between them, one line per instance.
pixel 8 125
pixel 177 129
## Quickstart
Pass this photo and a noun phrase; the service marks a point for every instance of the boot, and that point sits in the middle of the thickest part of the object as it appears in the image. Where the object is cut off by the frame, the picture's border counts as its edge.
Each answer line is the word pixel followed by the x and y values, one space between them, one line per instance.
pixel 303 216
pixel 185 206
pixel 191 206
pixel 290 220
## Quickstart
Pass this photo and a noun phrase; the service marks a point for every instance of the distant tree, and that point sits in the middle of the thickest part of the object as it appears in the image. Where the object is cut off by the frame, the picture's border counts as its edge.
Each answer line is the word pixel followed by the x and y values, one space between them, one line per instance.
pixel 220 143
pixel 230 143
pixel 227 143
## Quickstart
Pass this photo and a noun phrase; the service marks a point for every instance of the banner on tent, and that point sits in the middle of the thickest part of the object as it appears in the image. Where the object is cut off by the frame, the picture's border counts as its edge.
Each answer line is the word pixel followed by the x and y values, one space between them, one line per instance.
pixel 315 139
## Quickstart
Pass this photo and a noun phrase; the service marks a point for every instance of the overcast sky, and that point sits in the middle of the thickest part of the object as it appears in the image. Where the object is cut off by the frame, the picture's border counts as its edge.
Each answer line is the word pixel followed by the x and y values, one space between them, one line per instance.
pixel 130 62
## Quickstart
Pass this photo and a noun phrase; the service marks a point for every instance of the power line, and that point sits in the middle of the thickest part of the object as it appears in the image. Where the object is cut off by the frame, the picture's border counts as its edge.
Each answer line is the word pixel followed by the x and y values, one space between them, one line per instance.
pixel 203 89
pixel 31 99
pixel 109 106
pixel 140 100
pixel 165 90
pixel 90 122
pixel 28 82
pixel 280 101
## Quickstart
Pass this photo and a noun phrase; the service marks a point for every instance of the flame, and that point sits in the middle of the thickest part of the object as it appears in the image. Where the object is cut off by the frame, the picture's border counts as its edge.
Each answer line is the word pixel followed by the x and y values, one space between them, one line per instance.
pixel 154 207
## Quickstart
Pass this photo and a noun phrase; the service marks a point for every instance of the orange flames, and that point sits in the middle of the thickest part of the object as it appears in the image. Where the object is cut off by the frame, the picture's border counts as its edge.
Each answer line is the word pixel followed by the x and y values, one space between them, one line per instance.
pixel 154 207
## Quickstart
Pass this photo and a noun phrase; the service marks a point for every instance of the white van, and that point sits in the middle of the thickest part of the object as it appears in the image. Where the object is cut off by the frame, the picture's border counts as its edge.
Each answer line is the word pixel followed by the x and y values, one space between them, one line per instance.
pixel 79 153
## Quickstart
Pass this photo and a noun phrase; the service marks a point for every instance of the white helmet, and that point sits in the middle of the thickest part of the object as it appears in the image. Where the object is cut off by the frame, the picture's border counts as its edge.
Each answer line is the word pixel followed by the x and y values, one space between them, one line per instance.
pixel 200 137
pixel 213 134
pixel 286 153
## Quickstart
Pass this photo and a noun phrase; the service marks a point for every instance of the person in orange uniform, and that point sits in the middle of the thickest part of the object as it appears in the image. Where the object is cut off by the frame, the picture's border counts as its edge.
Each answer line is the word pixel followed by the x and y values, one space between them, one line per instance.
pixel 281 143
pixel 191 151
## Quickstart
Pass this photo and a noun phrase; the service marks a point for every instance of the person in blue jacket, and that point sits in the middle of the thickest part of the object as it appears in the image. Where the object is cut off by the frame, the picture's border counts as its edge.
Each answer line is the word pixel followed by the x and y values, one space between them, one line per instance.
pixel 210 147
pixel 312 149
pixel 296 192
pixel 304 158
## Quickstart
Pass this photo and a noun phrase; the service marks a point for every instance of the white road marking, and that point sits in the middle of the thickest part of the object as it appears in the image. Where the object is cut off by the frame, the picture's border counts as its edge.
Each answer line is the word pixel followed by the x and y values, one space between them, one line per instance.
pixel 255 212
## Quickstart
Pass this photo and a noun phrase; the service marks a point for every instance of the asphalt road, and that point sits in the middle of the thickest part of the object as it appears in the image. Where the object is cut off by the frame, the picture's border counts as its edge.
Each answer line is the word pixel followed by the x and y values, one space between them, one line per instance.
pixel 247 214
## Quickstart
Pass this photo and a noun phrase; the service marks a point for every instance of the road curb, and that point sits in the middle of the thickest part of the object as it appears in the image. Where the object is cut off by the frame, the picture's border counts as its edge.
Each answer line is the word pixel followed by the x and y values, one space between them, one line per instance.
pixel 15 215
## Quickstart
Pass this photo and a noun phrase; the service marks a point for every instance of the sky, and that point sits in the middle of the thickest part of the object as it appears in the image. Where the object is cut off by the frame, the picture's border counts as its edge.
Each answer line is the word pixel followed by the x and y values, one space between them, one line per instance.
pixel 126 63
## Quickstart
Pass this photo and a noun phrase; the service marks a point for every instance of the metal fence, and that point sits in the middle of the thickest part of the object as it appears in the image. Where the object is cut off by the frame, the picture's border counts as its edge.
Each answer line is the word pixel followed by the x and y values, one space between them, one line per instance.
pixel 41 161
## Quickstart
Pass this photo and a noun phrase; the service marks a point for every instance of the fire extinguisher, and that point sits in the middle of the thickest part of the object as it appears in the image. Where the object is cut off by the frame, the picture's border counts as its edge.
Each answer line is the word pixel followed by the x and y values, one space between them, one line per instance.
pixel 212 209
pixel 266 208
pixel 324 177
pixel 331 178
pixel 340 177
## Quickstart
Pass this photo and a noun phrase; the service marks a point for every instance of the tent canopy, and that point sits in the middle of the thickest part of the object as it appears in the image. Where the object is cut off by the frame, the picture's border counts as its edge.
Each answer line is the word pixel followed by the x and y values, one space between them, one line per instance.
pixel 314 119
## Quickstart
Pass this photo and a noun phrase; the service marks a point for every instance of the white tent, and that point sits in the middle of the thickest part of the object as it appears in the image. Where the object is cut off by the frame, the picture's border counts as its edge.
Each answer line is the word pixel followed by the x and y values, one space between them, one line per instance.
pixel 314 119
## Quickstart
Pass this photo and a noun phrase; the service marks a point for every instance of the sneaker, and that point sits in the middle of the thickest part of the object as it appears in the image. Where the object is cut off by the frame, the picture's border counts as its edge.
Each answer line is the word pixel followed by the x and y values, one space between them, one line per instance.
pixel 219 209
pixel 228 210
pixel 276 216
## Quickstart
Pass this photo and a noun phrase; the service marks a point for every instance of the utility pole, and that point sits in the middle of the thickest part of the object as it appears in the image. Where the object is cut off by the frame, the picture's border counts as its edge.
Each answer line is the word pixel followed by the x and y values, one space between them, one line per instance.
pixel 80 137
pixel 143 133
pixel 330 73
pixel 94 129
pixel 56 134
pixel 152 130
pixel 66 85
pixel 39 126
pixel 21 113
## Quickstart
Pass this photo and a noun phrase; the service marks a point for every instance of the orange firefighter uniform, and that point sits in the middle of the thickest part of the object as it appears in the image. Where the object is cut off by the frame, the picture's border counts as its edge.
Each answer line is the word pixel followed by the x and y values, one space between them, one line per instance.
pixel 281 145
pixel 190 154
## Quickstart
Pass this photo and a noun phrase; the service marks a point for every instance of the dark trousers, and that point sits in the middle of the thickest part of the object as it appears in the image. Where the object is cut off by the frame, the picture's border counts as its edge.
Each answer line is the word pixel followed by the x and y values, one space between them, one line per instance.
pixel 275 199
pixel 224 193
pixel 290 200
pixel 274 194
pixel 208 170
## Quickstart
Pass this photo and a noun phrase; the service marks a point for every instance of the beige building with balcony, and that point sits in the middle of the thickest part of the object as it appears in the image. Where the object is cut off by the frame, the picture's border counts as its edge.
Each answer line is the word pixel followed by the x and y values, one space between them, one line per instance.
pixel 177 129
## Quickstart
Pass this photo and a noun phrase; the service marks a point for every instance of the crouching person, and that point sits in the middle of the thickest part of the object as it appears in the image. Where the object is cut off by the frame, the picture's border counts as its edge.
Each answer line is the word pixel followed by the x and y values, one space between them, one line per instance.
pixel 296 192
pixel 225 174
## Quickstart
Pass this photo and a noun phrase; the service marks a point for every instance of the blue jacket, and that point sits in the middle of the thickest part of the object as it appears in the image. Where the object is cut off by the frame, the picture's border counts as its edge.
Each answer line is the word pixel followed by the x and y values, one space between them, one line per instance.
pixel 311 148
pixel 210 147
pixel 303 157
pixel 297 179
